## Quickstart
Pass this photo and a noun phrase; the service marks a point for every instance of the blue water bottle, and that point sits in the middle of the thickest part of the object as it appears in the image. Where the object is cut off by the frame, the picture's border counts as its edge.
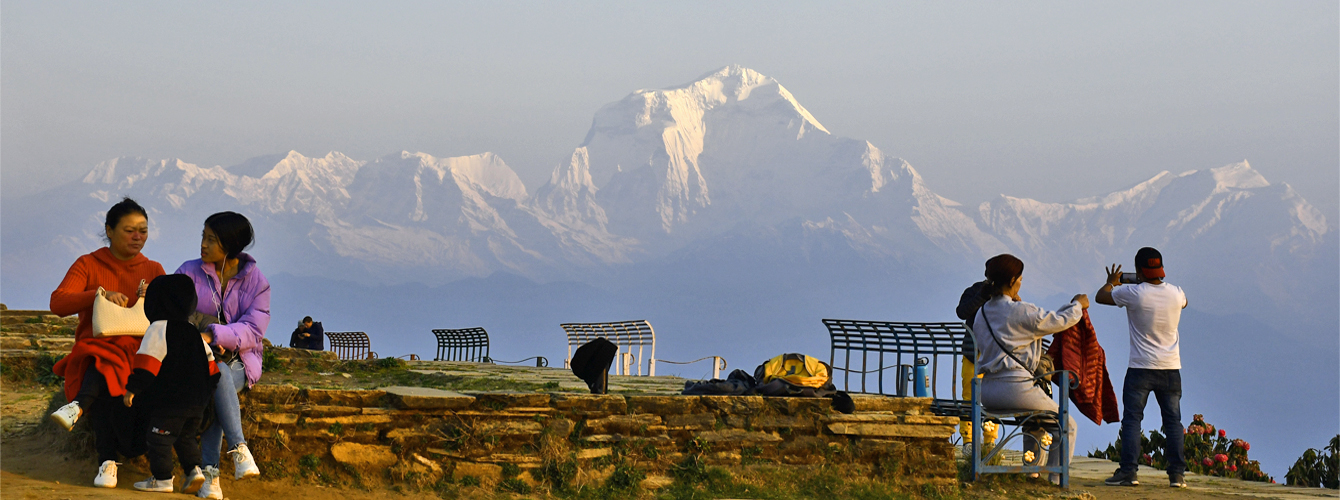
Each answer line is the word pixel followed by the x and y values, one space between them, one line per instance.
pixel 922 384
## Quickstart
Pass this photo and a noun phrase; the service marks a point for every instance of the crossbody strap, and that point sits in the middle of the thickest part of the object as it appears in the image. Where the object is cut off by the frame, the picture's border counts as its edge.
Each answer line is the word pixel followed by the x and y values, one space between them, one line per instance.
pixel 1007 352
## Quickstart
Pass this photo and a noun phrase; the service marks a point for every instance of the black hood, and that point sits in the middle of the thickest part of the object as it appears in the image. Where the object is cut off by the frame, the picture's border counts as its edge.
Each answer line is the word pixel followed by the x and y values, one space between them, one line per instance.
pixel 170 297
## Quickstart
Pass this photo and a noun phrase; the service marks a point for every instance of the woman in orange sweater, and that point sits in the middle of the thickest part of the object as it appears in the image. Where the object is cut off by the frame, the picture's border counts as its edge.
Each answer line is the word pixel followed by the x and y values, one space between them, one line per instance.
pixel 96 369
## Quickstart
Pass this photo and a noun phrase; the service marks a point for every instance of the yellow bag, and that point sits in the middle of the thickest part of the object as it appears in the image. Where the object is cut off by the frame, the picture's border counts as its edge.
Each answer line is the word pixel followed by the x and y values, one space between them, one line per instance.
pixel 795 369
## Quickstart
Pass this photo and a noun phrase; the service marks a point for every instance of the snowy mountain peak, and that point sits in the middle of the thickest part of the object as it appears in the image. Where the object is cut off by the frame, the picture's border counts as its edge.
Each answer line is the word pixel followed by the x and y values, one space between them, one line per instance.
pixel 1237 176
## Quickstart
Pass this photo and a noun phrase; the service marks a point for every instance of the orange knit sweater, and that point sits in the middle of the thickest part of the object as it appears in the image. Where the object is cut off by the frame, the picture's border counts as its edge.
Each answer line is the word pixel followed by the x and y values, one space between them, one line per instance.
pixel 112 355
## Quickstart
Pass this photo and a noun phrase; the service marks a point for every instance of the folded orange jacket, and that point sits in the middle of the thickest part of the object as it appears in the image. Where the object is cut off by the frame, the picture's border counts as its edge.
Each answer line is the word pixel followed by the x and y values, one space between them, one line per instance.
pixel 1077 350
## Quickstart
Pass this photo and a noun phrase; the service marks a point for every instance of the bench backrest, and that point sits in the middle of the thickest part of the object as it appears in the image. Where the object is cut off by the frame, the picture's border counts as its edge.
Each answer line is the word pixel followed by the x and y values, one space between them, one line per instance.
pixel 350 345
pixel 873 350
pixel 625 334
pixel 462 344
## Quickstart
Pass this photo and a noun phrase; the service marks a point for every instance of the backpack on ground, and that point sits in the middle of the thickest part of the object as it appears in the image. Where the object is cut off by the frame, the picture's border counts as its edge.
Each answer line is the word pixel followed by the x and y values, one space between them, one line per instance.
pixel 795 369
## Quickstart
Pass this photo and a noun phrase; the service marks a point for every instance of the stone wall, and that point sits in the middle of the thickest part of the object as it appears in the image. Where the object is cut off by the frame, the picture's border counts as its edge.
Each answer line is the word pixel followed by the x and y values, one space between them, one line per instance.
pixel 26 336
pixel 419 435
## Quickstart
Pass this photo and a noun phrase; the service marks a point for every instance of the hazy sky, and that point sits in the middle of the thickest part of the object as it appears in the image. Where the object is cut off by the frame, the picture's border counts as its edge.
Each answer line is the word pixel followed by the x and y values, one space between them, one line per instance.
pixel 1054 101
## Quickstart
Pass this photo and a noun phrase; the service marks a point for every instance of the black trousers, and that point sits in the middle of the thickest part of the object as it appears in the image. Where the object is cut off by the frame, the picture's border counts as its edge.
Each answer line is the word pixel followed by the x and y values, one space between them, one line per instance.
pixel 173 429
pixel 116 429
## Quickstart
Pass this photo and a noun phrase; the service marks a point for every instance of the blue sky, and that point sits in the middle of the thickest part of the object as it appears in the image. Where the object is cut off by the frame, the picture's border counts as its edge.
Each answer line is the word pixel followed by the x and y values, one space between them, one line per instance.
pixel 1054 101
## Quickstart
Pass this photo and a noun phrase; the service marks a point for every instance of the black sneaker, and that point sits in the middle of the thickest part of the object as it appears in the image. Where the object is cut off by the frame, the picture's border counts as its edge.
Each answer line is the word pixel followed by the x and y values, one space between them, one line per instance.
pixel 1176 480
pixel 1121 478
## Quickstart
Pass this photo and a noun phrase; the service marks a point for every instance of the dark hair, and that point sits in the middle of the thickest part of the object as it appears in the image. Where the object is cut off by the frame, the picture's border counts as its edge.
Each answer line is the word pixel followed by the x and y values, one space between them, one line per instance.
pixel 306 319
pixel 121 209
pixel 233 230
pixel 1001 270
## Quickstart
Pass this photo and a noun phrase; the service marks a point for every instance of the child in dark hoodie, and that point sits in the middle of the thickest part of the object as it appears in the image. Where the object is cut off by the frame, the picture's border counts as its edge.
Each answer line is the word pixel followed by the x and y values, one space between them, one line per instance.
pixel 173 379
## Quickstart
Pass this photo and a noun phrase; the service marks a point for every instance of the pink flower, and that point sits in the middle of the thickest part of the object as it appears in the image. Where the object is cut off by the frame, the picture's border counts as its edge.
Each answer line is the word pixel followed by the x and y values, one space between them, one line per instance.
pixel 1233 468
pixel 1207 462
pixel 1221 458
pixel 1223 433
pixel 1148 460
pixel 1246 446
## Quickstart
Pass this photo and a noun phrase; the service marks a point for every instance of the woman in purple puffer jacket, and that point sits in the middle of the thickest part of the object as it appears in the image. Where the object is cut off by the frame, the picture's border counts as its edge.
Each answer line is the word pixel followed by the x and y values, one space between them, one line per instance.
pixel 231 290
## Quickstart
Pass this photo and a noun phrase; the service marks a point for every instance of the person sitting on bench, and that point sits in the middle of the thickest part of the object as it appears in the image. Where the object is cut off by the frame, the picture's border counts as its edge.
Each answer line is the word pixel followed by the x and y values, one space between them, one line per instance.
pixel 1008 333
pixel 308 335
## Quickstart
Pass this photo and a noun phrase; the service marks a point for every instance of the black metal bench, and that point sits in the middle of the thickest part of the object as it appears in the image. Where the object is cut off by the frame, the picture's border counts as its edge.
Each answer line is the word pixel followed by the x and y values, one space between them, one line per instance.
pixel 351 345
pixel 882 342
pixel 471 344
pixel 888 345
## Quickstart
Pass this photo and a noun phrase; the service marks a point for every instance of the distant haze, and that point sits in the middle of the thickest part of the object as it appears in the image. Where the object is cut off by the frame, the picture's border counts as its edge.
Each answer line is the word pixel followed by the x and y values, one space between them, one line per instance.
pixel 1048 101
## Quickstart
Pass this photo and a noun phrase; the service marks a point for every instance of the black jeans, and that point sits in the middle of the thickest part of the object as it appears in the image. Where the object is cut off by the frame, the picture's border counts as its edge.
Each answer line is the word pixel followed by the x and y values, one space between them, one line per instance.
pixel 169 430
pixel 1167 388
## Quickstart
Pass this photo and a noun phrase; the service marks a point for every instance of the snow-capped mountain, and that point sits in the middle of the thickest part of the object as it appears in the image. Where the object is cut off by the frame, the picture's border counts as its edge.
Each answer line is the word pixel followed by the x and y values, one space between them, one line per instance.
pixel 728 168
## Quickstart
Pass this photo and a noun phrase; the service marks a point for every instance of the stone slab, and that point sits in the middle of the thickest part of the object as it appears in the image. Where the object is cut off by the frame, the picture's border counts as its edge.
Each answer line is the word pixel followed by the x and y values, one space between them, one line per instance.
pixel 868 403
pixel 352 420
pixel 891 430
pixel 363 456
pixel 272 394
pixel 737 435
pixel 423 398
pixel 735 405
pixel 929 419
pixel 589 404
pixel 357 398
pixel 488 401
pixel 665 405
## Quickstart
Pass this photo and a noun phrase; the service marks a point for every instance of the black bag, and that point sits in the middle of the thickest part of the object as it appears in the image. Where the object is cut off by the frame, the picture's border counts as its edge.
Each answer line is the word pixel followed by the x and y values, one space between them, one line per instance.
pixel 591 363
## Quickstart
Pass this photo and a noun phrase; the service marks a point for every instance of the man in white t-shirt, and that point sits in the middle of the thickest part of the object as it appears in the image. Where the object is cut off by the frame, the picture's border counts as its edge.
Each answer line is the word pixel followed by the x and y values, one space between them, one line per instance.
pixel 1153 309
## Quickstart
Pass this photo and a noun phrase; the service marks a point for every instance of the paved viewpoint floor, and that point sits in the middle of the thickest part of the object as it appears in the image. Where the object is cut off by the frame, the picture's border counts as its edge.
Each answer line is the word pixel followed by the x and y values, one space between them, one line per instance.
pixel 1088 474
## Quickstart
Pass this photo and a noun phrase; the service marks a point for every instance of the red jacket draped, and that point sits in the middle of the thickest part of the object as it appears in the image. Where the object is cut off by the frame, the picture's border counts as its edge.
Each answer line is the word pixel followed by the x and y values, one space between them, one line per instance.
pixel 1077 350
pixel 111 355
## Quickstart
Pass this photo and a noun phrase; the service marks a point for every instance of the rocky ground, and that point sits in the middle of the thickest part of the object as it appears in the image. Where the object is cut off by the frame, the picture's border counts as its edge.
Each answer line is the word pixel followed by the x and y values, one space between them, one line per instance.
pixel 34 465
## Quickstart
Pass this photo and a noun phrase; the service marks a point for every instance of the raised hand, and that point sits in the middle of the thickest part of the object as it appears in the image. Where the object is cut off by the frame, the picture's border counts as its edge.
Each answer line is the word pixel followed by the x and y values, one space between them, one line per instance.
pixel 1114 275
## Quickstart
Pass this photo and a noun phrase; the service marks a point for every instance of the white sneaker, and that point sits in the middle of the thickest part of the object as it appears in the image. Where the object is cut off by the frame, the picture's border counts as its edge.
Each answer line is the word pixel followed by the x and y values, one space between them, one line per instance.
pixel 155 485
pixel 244 466
pixel 106 475
pixel 194 480
pixel 210 488
pixel 67 415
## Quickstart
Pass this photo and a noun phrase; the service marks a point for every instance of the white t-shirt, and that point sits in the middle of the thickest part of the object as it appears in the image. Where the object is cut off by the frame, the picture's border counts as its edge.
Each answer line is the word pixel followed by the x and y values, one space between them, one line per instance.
pixel 1152 311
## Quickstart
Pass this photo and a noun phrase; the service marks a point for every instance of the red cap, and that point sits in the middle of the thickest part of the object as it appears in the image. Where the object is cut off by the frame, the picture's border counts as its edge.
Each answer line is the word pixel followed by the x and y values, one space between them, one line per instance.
pixel 1150 262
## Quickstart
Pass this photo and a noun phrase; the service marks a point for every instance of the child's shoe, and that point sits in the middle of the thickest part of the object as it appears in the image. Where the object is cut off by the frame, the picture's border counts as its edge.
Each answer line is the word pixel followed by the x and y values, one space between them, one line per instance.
pixel 155 485
pixel 194 480
pixel 210 487
pixel 244 466
pixel 67 415
pixel 106 475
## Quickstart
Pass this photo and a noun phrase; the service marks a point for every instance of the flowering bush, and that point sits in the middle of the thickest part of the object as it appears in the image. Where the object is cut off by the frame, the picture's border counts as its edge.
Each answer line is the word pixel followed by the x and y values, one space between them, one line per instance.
pixel 1207 450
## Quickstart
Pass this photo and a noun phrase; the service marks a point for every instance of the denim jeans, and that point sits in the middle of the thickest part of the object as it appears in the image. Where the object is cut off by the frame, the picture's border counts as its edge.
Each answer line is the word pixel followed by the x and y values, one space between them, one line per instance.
pixel 227 412
pixel 1167 388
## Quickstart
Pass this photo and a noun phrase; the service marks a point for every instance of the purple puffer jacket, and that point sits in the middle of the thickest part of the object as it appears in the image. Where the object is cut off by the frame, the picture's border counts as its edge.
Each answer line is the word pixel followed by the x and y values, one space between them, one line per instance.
pixel 246 309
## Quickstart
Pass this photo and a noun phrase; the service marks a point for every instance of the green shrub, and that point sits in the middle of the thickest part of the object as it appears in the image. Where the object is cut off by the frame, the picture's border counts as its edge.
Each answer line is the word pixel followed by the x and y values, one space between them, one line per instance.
pixel 559 473
pixel 43 373
pixel 1317 469
pixel 514 485
pixel 625 478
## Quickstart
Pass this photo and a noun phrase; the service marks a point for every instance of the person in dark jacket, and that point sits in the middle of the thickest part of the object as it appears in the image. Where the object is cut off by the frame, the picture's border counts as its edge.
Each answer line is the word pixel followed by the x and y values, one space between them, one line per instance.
pixel 972 299
pixel 308 335
pixel 174 378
